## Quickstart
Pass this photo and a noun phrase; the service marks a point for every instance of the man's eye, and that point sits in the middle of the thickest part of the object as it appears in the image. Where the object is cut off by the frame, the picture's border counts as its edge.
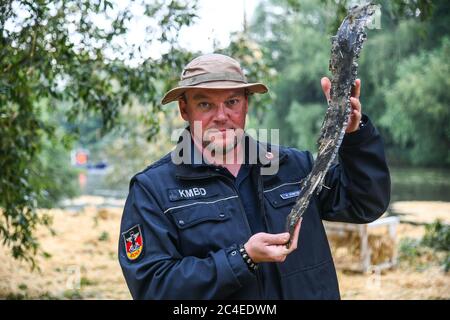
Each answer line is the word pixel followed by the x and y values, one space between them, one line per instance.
pixel 204 105
pixel 232 102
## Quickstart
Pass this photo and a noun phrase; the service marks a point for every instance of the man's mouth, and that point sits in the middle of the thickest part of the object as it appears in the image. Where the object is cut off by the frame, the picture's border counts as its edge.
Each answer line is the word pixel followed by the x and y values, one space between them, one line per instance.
pixel 219 133
pixel 220 129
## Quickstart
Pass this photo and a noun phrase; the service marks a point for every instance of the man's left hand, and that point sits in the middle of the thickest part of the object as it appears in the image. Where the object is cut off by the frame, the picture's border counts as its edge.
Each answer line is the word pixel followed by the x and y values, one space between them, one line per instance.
pixel 355 115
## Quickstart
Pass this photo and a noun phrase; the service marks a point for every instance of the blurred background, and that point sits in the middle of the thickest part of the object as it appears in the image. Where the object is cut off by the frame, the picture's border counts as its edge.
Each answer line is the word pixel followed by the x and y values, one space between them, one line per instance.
pixel 80 88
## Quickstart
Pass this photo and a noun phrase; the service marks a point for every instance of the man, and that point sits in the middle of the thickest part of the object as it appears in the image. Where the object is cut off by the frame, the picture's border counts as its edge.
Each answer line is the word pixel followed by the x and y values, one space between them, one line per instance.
pixel 214 228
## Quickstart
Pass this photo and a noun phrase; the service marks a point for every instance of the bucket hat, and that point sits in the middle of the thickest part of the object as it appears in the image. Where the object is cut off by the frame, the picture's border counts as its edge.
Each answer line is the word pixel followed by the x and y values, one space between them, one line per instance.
pixel 212 71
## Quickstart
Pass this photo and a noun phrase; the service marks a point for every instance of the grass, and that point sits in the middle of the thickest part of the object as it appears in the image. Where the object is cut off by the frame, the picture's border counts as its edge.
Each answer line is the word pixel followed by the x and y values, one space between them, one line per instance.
pixel 433 248
pixel 104 236
pixel 87 282
pixel 25 296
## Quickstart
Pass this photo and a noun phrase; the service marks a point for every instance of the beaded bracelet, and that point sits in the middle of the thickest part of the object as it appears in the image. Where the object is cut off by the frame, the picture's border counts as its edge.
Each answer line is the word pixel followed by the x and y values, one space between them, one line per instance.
pixel 252 266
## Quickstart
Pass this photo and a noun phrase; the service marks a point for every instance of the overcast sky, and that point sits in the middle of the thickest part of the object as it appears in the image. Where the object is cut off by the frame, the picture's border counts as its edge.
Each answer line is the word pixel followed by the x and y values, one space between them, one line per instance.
pixel 217 19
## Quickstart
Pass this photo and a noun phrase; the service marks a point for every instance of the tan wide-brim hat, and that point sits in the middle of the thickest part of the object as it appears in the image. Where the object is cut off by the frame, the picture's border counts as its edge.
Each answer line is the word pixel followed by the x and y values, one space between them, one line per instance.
pixel 212 71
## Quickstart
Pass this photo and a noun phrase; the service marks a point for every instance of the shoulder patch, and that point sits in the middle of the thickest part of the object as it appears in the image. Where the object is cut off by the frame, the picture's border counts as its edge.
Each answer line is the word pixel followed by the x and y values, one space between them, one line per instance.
pixel 134 242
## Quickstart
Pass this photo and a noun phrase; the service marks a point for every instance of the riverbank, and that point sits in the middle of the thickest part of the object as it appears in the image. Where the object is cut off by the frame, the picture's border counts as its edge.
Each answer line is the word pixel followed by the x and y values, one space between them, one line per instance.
pixel 82 261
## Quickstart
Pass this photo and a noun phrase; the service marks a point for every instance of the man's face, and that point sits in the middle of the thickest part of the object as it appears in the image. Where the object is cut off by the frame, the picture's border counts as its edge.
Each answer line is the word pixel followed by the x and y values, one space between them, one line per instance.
pixel 217 111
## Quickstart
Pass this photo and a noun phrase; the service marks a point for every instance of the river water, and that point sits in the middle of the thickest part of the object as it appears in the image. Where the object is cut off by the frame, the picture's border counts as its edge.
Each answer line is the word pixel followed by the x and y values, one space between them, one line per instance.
pixel 420 184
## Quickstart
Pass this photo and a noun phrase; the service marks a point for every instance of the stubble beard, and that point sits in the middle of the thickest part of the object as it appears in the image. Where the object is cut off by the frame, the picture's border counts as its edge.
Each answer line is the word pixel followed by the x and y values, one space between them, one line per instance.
pixel 221 150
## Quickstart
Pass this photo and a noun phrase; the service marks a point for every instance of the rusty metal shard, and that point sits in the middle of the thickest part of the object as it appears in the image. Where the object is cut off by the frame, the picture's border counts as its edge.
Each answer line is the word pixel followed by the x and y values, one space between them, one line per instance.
pixel 345 49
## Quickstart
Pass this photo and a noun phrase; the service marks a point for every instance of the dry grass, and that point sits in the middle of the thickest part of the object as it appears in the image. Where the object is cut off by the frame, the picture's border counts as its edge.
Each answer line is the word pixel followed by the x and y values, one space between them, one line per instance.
pixel 83 262
pixel 346 249
pixel 84 252
pixel 422 211
pixel 401 283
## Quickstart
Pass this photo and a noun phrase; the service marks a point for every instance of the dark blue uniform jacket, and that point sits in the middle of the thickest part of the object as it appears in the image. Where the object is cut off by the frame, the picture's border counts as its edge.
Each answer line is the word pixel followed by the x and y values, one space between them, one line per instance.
pixel 192 220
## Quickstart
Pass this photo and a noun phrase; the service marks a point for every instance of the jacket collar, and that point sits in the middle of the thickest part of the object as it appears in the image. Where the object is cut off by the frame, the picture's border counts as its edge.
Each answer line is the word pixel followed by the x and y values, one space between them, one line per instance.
pixel 266 155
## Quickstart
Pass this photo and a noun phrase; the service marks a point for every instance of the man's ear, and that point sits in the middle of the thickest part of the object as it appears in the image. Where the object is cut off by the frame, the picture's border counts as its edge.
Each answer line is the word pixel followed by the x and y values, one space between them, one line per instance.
pixel 182 106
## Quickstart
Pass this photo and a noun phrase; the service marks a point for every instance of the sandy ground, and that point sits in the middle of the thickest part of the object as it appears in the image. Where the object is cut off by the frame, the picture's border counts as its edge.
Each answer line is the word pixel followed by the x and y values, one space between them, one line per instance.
pixel 83 263
pixel 404 281
pixel 422 211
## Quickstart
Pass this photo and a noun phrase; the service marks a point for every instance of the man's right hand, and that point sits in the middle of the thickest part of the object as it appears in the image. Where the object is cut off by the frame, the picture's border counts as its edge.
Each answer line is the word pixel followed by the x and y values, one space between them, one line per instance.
pixel 267 247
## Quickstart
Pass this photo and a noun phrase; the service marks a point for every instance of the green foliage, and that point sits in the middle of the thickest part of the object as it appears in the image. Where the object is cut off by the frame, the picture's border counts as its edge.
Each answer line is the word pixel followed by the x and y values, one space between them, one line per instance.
pixel 104 236
pixel 395 9
pixel 297 47
pixel 74 294
pixel 53 175
pixel 126 147
pixel 306 121
pixel 433 247
pixel 54 56
pixel 23 286
pixel 418 116
pixel 84 282
pixel 379 60
pixel 409 249
pixel 446 263
pixel 414 254
pixel 403 68
pixel 437 236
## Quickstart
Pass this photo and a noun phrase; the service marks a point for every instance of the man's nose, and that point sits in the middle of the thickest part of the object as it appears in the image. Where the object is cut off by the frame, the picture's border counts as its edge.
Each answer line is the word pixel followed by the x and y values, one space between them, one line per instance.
pixel 221 113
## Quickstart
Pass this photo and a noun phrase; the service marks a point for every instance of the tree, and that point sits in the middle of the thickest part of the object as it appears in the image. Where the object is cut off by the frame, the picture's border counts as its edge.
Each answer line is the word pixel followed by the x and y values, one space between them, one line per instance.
pixel 418 116
pixel 297 45
pixel 295 36
pixel 59 52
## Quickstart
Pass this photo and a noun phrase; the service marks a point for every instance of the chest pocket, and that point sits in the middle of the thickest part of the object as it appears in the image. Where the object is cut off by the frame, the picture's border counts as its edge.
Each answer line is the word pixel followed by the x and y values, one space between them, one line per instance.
pixel 313 245
pixel 278 203
pixel 202 228
pixel 283 195
pixel 190 217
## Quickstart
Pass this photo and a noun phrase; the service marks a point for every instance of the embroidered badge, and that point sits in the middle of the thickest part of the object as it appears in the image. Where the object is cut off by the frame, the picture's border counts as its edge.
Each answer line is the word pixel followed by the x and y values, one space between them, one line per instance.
pixel 134 242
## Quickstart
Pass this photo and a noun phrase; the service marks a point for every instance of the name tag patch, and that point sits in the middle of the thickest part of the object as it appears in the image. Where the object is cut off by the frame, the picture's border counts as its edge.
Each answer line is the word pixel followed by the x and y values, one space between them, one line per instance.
pixel 289 195
pixel 189 193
